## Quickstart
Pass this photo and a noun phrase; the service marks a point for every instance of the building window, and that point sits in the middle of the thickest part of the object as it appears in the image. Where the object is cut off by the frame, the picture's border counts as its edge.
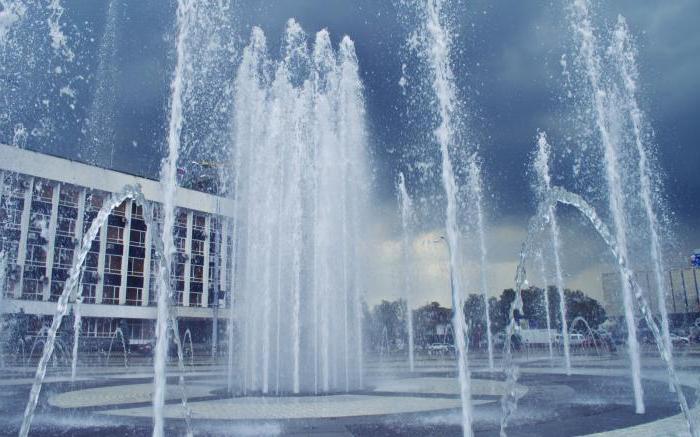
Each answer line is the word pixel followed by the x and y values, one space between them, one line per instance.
pixel 135 267
pixel 95 202
pixel 113 263
pixel 91 261
pixel 197 273
pixel 31 289
pixel 137 212
pixel 180 244
pixel 197 247
pixel 69 196
pixel 179 271
pixel 39 222
pixel 11 216
pixel 138 238
pixel 12 251
pixel 43 192
pixel 65 226
pixel 195 299
pixel 134 295
pixel 199 222
pixel 63 257
pixel 120 211
pixel 110 294
pixel 115 234
pixel 17 184
pixel 56 290
pixel 36 254
pixel 89 293
pixel 181 219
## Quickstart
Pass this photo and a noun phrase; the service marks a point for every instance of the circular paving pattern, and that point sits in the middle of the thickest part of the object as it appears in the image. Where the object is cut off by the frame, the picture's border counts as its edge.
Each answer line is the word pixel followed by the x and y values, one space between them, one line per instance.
pixel 596 398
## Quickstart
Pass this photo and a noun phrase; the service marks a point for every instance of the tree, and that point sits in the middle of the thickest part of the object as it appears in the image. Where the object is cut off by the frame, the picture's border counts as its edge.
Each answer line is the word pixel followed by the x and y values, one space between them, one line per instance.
pixel 578 304
pixel 426 319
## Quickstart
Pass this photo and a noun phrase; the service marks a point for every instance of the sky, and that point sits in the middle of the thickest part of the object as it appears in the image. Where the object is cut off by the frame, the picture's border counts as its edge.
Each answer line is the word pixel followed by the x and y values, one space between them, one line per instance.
pixel 506 61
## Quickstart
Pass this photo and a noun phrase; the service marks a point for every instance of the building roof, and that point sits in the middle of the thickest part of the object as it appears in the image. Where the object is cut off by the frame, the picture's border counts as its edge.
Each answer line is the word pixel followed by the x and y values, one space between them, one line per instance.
pixel 64 170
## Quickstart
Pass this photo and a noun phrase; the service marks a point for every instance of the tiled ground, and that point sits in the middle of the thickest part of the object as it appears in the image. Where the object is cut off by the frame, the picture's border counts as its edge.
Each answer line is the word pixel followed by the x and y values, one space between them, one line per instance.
pixel 120 396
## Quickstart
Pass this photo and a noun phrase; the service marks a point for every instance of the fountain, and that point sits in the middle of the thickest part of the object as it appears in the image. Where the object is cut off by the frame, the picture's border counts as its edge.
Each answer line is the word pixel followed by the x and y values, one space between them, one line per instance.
pixel 62 306
pixel 443 86
pixel 188 334
pixel 289 139
pixel 580 319
pixel 545 298
pixel 624 54
pixel 476 199
pixel 544 183
pixel 118 332
pixel 303 257
pixel 584 31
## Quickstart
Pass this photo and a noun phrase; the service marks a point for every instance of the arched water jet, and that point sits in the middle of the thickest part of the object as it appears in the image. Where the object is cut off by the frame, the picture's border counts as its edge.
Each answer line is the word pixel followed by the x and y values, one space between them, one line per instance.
pixel 580 319
pixel 128 192
pixel 118 332
pixel 62 304
pixel 188 334
pixel 537 222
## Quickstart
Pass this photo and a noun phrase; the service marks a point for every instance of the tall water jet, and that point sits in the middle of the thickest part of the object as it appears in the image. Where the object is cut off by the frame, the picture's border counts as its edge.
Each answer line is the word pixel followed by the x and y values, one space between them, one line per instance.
pixel 169 184
pixel 100 129
pixel 439 43
pixel 11 12
pixel 476 189
pixel 544 184
pixel 624 56
pixel 600 97
pixel 406 207
pixel 300 153
pixel 545 301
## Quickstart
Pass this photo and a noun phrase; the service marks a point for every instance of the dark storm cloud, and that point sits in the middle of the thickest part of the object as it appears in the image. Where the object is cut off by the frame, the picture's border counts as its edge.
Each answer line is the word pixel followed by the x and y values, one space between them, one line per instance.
pixel 507 69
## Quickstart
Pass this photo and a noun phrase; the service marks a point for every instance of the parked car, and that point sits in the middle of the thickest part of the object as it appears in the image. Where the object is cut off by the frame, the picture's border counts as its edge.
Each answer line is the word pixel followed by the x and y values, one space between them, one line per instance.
pixel 440 349
pixel 678 340
pixel 575 339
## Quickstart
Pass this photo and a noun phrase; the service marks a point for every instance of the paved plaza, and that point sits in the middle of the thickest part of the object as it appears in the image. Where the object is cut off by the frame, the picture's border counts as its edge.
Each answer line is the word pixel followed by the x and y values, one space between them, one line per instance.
pixel 594 399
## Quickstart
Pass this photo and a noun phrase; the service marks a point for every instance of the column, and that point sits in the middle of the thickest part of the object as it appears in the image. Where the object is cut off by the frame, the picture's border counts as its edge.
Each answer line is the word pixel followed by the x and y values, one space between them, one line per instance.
pixel 101 263
pixel 24 231
pixel 223 251
pixel 125 251
pixel 205 274
pixel 188 261
pixel 50 246
pixel 147 263
pixel 78 235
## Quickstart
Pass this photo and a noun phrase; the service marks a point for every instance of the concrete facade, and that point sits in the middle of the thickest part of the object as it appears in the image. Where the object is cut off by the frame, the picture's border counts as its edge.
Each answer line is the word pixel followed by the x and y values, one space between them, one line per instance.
pixel 47 203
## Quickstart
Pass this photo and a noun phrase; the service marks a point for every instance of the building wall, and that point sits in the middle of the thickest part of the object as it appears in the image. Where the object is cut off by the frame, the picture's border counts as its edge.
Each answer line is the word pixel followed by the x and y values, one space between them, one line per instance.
pixel 48 203
pixel 682 286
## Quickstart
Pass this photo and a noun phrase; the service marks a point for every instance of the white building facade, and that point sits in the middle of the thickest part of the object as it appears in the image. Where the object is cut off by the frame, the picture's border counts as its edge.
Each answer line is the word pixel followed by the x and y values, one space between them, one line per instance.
pixel 46 205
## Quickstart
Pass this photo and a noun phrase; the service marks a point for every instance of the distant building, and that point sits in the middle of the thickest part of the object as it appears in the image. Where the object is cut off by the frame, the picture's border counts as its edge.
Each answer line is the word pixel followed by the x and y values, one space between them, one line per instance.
pixel 47 203
pixel 682 285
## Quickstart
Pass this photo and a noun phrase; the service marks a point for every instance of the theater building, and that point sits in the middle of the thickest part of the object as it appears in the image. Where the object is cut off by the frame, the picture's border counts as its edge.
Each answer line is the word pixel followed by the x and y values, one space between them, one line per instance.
pixel 46 205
